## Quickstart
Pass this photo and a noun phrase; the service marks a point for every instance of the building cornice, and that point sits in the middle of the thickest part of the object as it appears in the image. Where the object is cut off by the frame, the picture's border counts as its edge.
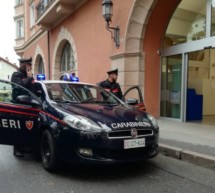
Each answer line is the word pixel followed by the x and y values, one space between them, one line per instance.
pixel 126 55
pixel 57 11
pixel 18 16
pixel 30 41
pixel 18 5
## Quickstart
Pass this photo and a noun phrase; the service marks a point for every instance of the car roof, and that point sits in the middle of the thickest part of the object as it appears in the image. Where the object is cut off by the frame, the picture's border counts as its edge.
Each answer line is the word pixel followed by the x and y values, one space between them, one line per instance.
pixel 63 81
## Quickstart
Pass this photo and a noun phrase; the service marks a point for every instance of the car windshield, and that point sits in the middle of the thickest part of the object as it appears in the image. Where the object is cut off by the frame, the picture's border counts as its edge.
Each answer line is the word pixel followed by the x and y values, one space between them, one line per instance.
pixel 79 93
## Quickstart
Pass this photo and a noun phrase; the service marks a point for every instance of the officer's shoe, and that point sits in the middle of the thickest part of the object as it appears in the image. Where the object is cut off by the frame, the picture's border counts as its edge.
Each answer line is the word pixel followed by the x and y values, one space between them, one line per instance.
pixel 18 152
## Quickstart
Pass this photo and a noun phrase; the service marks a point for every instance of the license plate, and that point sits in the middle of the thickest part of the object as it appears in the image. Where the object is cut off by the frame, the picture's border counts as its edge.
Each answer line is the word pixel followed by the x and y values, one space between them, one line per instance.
pixel 134 143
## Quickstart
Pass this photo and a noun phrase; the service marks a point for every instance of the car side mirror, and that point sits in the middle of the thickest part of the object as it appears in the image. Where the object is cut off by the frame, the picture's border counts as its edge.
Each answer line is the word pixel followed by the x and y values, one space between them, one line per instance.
pixel 131 101
pixel 27 100
pixel 40 94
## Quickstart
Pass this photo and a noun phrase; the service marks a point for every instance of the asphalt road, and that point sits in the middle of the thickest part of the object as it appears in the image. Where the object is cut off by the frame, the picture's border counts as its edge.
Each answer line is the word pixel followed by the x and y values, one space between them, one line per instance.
pixel 159 175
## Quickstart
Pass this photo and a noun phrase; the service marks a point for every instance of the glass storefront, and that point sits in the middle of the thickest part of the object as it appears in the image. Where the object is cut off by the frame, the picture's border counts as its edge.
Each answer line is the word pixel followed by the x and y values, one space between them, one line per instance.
pixel 188 62
pixel 213 18
pixel 171 86
pixel 188 23
pixel 201 74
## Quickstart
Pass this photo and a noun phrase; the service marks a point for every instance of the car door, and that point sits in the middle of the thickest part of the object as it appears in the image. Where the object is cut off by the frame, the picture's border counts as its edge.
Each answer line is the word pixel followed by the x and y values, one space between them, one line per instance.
pixel 136 93
pixel 19 121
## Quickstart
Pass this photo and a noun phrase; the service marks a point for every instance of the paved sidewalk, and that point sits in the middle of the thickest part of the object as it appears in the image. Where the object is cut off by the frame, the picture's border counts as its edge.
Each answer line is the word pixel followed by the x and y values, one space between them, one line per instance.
pixel 192 142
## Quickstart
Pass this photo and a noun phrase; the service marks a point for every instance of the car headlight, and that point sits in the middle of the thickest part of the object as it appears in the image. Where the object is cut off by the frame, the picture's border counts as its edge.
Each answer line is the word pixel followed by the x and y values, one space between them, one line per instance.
pixel 82 123
pixel 153 120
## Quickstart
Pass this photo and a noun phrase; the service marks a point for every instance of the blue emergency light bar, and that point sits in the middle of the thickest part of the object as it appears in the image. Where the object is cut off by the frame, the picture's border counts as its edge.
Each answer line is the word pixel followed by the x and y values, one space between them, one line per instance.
pixel 70 77
pixel 41 77
pixel 74 79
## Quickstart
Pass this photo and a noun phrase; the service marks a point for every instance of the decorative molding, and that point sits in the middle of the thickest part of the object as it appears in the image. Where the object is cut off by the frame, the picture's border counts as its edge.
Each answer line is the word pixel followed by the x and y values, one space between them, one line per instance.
pixel 140 14
pixel 39 51
pixel 63 35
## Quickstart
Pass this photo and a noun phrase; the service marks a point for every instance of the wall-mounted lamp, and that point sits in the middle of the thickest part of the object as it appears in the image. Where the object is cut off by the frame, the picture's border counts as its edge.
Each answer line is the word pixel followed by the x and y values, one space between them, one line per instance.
pixel 107 6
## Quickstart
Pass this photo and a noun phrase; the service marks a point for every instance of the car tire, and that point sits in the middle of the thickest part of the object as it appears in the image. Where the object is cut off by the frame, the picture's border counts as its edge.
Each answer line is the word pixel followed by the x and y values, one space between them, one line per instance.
pixel 48 152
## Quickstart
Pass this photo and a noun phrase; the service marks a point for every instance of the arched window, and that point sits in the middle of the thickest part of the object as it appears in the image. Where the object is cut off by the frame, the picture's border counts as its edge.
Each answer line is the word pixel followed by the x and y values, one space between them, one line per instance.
pixel 67 62
pixel 41 67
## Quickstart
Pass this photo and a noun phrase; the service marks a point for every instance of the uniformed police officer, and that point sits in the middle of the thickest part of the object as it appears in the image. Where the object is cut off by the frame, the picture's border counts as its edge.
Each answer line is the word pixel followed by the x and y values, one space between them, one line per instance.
pixel 111 85
pixel 23 77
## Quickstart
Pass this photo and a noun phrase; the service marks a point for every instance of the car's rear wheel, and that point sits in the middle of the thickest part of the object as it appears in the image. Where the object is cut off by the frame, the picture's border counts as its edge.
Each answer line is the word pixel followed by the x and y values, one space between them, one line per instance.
pixel 48 152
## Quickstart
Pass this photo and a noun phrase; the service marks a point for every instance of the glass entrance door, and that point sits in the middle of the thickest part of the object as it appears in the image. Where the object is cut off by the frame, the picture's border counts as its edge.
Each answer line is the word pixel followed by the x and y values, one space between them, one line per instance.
pixel 171 84
pixel 201 85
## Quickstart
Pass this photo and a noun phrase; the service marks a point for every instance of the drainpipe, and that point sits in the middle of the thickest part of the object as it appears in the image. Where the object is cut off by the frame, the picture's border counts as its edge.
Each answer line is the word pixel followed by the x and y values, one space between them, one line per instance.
pixel 49 57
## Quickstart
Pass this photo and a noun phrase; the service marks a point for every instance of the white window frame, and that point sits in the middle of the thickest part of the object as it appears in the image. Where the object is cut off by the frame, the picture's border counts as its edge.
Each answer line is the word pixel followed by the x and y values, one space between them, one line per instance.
pixel 18 2
pixel 32 14
pixel 45 3
pixel 41 69
pixel 20 28
pixel 67 62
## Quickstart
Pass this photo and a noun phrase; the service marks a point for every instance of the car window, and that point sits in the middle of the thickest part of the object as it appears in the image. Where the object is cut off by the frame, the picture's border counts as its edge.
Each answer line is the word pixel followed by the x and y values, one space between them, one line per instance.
pixel 134 92
pixel 5 92
pixel 79 93
pixel 10 91
pixel 61 92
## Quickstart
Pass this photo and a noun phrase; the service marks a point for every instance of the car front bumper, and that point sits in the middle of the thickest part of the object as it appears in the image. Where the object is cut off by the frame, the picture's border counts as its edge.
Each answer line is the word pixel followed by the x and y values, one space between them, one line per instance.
pixel 103 150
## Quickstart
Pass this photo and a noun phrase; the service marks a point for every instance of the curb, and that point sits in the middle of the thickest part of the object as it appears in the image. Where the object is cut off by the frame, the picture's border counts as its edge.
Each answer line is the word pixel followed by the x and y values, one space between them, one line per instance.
pixel 199 159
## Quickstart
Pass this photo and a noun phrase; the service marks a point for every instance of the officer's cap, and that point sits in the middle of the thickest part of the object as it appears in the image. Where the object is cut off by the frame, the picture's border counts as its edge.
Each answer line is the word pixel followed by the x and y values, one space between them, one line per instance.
pixel 113 72
pixel 25 60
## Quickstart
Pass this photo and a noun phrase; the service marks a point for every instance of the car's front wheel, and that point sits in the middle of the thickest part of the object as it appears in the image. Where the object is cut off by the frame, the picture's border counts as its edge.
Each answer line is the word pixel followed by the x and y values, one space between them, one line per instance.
pixel 48 152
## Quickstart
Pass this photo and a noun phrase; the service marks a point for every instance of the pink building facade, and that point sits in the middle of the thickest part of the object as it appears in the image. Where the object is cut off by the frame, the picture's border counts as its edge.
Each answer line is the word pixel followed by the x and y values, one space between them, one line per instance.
pixel 71 36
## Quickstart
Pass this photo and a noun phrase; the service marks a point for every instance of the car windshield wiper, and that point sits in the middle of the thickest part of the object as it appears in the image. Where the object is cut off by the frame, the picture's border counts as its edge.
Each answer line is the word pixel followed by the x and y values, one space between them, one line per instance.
pixel 99 102
pixel 65 101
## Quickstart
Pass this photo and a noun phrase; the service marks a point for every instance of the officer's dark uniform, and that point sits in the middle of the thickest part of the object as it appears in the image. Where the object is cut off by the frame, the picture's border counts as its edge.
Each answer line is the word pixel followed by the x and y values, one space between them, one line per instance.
pixel 112 87
pixel 20 77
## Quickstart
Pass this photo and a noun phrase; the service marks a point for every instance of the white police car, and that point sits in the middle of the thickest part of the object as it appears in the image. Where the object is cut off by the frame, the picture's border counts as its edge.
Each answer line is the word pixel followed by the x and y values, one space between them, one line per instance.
pixel 76 122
